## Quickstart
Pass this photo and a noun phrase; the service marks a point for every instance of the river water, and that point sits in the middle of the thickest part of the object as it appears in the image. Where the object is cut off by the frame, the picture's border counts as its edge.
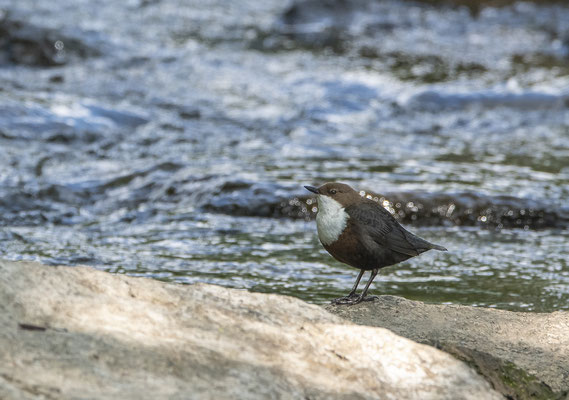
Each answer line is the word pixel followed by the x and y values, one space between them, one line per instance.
pixel 172 139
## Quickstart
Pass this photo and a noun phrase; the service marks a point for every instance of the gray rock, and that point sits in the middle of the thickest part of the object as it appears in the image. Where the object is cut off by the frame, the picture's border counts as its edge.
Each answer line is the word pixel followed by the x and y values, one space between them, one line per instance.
pixel 523 355
pixel 70 333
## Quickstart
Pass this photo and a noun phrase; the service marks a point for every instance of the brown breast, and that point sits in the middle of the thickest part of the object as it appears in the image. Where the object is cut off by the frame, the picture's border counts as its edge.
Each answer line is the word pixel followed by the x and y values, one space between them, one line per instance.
pixel 349 250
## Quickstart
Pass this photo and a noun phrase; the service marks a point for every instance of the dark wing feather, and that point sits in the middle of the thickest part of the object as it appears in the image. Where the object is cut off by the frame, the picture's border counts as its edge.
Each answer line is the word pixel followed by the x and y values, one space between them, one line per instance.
pixel 381 227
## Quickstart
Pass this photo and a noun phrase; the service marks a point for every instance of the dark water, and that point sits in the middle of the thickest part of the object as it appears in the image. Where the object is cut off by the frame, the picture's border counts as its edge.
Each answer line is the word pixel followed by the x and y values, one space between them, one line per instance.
pixel 172 139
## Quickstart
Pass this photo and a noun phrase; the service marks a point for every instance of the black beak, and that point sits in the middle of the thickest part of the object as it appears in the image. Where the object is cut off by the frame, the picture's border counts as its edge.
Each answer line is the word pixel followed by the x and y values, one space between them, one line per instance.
pixel 312 189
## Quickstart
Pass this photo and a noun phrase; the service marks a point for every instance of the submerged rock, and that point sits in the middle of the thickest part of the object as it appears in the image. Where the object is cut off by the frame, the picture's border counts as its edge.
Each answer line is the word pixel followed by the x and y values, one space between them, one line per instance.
pixel 523 355
pixel 398 36
pixel 81 333
pixel 473 209
pixel 417 208
pixel 170 183
pixel 22 43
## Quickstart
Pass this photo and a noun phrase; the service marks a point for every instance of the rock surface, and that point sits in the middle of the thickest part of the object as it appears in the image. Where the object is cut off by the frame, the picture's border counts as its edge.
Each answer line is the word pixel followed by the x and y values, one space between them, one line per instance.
pixel 81 333
pixel 523 355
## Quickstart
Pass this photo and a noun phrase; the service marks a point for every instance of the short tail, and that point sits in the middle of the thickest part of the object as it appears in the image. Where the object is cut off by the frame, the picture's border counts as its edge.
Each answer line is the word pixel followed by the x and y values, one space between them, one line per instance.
pixel 437 247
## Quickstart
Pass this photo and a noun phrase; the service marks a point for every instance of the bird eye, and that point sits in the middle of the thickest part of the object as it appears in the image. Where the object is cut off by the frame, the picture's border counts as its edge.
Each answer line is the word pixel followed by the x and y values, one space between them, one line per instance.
pixel 332 191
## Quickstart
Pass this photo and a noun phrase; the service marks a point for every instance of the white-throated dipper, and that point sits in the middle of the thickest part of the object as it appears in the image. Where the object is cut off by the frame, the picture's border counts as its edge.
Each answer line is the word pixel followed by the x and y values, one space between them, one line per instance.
pixel 361 233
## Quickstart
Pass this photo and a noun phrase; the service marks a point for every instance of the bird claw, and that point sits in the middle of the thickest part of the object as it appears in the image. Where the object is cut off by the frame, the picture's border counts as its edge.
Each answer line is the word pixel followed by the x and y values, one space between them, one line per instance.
pixel 345 300
pixel 353 299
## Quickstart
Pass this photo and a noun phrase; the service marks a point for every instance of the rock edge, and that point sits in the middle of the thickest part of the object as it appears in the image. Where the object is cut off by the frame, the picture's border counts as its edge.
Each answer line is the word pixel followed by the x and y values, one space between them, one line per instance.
pixel 523 355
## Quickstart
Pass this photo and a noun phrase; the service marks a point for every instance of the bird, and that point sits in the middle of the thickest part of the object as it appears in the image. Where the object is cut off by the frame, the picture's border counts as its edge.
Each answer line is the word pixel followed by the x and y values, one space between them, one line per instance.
pixel 361 233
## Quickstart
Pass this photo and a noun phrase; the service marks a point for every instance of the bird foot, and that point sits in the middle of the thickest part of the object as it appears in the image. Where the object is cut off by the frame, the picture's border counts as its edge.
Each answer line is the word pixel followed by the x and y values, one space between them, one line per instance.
pixel 352 300
pixel 349 299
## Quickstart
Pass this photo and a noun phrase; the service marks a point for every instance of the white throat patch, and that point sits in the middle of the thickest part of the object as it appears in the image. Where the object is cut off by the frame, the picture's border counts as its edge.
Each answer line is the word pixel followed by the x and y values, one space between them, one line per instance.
pixel 330 220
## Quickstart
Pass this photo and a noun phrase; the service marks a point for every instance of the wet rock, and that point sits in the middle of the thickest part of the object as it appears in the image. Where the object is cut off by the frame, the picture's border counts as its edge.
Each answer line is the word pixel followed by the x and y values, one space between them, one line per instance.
pixel 421 209
pixel 313 25
pixel 427 68
pixel 189 112
pixel 523 355
pixel 57 78
pixel 472 209
pixel 22 43
pixel 376 34
pixel 171 183
pixel 54 204
pixel 73 202
pixel 77 332
pixel 475 6
pixel 247 198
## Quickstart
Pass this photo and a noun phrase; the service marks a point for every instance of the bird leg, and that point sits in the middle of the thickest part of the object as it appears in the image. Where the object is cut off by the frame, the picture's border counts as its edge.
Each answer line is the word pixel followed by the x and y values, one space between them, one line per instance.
pixel 348 299
pixel 353 291
pixel 351 299
pixel 362 297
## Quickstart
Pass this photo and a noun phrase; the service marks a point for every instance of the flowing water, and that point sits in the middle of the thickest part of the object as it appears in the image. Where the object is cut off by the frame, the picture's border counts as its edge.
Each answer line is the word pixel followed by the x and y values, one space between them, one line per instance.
pixel 172 139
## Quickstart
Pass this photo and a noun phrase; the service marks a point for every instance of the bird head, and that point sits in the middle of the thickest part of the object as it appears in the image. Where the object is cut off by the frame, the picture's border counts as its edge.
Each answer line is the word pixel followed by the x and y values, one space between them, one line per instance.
pixel 339 192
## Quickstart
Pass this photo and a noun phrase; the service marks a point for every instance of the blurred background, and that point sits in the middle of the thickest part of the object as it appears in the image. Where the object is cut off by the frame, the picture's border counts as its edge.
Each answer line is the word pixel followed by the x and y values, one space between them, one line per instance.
pixel 172 139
